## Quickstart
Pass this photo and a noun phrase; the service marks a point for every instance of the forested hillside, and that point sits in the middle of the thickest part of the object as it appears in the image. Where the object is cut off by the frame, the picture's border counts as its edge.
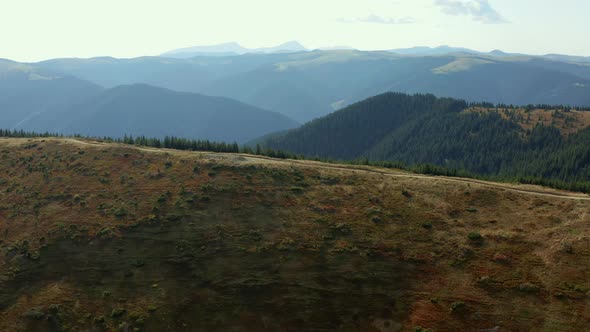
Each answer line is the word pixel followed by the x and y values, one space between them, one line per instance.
pixel 41 100
pixel 423 129
pixel 141 109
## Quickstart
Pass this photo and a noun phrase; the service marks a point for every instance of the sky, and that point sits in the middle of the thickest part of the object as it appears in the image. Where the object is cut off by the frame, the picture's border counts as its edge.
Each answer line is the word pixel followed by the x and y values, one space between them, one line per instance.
pixel 33 30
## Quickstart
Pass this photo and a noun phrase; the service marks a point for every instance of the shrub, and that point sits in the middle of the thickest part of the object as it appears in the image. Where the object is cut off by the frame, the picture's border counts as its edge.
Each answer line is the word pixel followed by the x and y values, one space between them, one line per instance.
pixel 458 306
pixel 35 313
pixel 255 235
pixel 162 198
pixel 206 187
pixel 407 194
pixel 196 169
pixel 374 199
pixel 120 212
pixel 54 308
pixel 528 287
pixel 33 255
pixel 104 231
pixel 421 329
pixel 501 258
pixel 341 228
pixel 475 237
pixel 138 263
pixel 567 247
pixel 485 280
pixel 286 244
pixel 117 312
pixel 297 190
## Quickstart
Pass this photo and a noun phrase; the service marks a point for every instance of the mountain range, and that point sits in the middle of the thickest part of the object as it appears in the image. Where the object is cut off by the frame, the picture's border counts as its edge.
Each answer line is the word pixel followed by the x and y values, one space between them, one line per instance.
pixel 304 86
pixel 69 105
pixel 301 86
pixel 233 48
pixel 144 110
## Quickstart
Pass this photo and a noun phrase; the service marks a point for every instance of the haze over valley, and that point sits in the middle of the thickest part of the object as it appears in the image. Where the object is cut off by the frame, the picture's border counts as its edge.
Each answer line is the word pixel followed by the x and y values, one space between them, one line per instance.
pixel 301 86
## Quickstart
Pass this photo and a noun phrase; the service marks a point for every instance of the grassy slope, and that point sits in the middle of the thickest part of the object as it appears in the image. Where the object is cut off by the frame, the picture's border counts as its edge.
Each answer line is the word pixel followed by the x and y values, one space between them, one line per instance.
pixel 568 122
pixel 103 237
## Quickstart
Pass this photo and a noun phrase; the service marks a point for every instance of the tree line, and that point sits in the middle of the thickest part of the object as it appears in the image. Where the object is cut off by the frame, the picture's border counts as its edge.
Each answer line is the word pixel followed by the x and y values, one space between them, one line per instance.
pixel 177 143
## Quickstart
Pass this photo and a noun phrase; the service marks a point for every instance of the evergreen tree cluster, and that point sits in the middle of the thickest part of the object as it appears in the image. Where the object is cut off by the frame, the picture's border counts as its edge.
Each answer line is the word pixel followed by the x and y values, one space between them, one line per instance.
pixel 177 143
pixel 530 107
pixel 347 133
pixel 433 135
pixel 169 142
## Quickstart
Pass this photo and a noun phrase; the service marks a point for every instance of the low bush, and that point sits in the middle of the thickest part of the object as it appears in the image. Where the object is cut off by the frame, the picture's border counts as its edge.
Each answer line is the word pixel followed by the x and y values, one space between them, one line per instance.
pixel 458 306
pixel 475 237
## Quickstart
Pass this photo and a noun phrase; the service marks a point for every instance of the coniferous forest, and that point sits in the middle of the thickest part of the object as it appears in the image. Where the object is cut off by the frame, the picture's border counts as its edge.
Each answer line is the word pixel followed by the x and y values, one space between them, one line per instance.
pixel 422 129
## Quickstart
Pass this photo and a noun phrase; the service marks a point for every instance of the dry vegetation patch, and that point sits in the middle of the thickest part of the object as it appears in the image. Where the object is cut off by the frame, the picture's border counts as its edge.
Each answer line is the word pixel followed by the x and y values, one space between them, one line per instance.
pixel 567 121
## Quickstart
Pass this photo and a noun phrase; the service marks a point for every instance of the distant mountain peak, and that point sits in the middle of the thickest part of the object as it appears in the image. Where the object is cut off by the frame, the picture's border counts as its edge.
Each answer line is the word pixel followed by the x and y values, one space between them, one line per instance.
pixel 293 44
pixel 427 50
pixel 233 48
pixel 224 49
pixel 498 52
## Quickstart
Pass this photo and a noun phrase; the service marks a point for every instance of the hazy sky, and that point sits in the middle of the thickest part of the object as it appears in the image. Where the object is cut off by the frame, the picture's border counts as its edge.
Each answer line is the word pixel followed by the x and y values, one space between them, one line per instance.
pixel 33 30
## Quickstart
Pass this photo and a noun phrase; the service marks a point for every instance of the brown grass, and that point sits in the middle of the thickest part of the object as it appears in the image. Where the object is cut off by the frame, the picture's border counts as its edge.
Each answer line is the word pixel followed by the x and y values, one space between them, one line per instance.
pixel 568 122
pixel 266 244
